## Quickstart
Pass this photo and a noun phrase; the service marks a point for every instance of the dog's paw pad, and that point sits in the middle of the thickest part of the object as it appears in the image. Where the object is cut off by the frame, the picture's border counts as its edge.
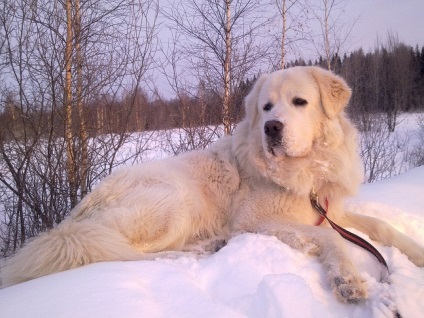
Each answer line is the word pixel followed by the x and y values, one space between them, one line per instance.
pixel 349 290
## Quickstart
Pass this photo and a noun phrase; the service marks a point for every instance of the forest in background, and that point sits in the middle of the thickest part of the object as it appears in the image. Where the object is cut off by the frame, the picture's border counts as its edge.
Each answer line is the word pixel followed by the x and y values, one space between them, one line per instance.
pixel 79 85
pixel 389 80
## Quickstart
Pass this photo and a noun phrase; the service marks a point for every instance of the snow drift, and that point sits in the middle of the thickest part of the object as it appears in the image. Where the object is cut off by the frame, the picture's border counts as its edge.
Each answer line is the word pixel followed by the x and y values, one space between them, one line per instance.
pixel 253 276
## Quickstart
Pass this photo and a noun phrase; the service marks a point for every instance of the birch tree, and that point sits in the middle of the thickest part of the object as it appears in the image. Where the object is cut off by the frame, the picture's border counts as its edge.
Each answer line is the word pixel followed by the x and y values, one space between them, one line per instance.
pixel 220 43
pixel 67 101
pixel 59 61
pixel 292 18
pixel 334 31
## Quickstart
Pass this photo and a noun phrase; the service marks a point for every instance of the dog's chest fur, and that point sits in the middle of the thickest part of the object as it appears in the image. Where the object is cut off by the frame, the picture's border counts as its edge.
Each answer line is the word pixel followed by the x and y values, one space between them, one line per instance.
pixel 250 194
pixel 273 202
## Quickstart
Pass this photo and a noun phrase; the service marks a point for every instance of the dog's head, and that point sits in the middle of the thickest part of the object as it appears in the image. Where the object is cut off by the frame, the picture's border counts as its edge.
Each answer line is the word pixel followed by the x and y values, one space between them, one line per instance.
pixel 289 108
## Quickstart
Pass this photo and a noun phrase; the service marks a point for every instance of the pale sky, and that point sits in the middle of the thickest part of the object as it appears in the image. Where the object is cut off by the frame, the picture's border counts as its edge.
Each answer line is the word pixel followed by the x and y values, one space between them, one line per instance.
pixel 376 17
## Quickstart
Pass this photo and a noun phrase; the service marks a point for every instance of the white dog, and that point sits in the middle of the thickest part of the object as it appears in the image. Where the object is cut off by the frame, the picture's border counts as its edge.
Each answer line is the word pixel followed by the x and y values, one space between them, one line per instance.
pixel 294 139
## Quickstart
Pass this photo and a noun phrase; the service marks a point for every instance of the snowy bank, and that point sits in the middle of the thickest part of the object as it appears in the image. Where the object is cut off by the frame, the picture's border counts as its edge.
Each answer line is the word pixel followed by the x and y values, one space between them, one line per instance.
pixel 253 276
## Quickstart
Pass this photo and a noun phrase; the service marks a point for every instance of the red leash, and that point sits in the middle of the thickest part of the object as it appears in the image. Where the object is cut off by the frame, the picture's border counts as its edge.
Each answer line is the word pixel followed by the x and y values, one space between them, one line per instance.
pixel 345 233
pixel 321 217
pixel 349 236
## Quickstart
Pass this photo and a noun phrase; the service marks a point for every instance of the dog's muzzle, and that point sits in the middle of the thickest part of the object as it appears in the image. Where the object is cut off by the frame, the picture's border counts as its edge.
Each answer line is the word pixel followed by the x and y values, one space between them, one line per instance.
pixel 274 131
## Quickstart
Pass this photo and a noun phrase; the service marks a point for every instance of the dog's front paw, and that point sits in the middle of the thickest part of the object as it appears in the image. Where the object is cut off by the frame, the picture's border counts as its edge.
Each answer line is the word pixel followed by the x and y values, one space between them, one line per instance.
pixel 349 289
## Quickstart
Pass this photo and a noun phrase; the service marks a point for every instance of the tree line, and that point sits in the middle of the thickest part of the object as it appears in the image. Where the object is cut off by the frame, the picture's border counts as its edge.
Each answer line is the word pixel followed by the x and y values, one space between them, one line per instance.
pixel 388 80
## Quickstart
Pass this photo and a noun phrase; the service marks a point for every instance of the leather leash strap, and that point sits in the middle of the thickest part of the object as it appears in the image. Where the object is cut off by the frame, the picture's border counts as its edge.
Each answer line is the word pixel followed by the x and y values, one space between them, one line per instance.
pixel 345 233
pixel 350 237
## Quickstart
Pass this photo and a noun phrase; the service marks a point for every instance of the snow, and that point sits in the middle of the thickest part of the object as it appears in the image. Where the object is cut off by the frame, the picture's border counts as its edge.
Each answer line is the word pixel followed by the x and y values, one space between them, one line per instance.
pixel 253 276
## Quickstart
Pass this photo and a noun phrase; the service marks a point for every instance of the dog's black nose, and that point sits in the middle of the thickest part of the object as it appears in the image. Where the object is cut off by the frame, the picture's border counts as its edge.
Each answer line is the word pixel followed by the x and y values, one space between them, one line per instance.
pixel 273 128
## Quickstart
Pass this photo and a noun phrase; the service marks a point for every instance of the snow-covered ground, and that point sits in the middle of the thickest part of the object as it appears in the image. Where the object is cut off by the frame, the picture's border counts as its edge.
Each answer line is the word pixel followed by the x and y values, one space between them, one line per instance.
pixel 253 276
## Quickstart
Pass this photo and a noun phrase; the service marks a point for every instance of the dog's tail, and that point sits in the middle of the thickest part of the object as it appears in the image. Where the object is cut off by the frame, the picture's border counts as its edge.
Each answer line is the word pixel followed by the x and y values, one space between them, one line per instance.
pixel 70 245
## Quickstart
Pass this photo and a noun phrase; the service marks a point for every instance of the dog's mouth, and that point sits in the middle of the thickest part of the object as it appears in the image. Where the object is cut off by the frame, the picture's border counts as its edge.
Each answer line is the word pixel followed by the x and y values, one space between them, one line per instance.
pixel 271 151
pixel 281 142
pixel 274 147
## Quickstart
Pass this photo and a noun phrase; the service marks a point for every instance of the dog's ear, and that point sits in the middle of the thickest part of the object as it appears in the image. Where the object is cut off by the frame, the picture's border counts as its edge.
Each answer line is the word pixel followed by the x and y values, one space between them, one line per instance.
pixel 251 100
pixel 335 93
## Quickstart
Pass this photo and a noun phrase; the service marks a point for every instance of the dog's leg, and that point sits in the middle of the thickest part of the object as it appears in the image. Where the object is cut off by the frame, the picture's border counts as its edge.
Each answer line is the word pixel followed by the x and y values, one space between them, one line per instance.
pixel 328 245
pixel 386 234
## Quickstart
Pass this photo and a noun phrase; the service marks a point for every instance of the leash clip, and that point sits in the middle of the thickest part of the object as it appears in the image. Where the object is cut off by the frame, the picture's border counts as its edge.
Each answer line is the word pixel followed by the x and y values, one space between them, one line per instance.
pixel 314 196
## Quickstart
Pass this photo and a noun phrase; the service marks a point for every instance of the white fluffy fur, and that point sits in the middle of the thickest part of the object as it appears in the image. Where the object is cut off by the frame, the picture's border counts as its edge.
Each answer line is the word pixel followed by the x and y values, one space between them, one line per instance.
pixel 236 185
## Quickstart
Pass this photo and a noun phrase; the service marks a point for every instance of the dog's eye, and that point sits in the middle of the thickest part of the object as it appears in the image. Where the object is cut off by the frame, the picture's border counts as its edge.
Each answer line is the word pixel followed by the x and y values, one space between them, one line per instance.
pixel 268 106
pixel 297 101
